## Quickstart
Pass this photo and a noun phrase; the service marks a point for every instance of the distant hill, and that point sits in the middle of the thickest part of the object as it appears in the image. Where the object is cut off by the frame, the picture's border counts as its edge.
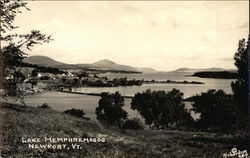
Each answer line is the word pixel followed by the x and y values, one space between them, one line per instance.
pixel 110 65
pixel 198 70
pixel 105 65
pixel 48 62
pixel 102 65
pixel 216 74
pixel 42 61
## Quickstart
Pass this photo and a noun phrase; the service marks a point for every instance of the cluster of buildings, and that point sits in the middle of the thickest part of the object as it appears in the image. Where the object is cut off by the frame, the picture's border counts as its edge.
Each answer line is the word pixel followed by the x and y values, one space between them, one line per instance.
pixel 31 81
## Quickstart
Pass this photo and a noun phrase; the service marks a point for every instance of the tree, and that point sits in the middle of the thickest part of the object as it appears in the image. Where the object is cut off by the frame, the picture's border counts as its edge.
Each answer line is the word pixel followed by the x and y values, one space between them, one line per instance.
pixel 82 74
pixel 75 81
pixel 34 73
pixel 12 43
pixel 110 109
pixel 18 76
pixel 64 80
pixel 161 109
pixel 217 111
pixel 240 86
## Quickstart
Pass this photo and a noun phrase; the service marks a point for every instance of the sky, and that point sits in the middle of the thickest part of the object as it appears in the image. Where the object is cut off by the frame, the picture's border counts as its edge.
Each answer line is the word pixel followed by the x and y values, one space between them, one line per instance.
pixel 164 35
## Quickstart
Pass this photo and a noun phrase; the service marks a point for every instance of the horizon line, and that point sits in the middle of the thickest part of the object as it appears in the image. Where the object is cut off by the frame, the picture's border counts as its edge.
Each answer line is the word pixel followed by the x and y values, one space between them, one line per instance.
pixel 134 66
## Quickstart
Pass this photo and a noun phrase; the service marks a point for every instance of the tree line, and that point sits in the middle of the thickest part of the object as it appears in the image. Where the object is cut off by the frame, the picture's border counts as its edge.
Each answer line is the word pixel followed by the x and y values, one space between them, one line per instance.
pixel 219 74
pixel 42 68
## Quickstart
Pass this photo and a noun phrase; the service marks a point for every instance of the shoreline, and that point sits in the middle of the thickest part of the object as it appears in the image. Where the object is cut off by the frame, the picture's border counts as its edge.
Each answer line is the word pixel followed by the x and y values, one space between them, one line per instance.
pixel 91 94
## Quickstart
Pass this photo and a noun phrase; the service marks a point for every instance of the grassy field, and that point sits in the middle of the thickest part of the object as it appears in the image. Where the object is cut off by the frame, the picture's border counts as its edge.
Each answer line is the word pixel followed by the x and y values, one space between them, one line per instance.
pixel 32 122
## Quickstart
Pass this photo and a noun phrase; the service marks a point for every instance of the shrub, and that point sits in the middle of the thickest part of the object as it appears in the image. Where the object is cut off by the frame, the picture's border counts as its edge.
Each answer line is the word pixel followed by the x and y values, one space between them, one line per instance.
pixel 77 113
pixel 133 124
pixel 45 106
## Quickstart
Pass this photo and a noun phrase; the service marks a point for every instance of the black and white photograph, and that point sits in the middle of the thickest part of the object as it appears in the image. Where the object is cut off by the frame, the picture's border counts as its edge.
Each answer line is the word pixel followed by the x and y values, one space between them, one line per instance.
pixel 124 79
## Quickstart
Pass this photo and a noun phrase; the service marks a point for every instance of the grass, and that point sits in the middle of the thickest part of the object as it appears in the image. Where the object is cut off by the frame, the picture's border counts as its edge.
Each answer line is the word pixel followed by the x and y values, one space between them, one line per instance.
pixel 31 122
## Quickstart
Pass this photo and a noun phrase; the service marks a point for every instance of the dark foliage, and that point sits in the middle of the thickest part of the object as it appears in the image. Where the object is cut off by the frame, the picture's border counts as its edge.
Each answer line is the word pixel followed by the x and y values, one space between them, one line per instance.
pixel 240 86
pixel 217 111
pixel 13 44
pixel 133 124
pixel 76 112
pixel 45 78
pixel 45 106
pixel 161 109
pixel 104 82
pixel 43 68
pixel 12 55
pixel 172 82
pixel 64 80
pixel 124 82
pixel 82 74
pixel 110 109
pixel 18 76
pixel 34 73
pixel 219 74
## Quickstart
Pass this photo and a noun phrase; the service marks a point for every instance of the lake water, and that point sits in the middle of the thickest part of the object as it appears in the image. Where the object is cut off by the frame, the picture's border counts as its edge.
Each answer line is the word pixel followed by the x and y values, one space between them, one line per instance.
pixel 187 89
pixel 61 101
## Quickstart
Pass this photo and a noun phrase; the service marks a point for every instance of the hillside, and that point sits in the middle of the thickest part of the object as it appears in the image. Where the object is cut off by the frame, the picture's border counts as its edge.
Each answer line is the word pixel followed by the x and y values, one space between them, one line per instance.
pixel 102 65
pixel 198 70
pixel 48 62
pixel 42 61
pixel 31 122
pixel 110 65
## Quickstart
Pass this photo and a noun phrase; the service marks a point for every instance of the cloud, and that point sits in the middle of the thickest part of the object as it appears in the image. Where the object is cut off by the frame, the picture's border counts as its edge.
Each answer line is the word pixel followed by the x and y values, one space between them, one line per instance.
pixel 161 34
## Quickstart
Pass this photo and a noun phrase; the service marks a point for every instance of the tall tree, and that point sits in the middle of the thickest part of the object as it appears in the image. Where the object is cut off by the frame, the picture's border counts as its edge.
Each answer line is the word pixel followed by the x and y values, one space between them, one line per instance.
pixel 110 109
pixel 217 111
pixel 240 86
pixel 14 44
pixel 161 109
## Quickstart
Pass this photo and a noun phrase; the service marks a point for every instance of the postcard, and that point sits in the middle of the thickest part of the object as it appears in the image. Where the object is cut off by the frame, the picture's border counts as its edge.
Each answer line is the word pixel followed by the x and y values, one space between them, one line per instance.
pixel 124 79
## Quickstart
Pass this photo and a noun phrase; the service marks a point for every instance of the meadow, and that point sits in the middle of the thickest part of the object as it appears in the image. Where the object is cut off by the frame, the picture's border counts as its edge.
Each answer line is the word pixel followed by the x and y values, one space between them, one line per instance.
pixel 32 122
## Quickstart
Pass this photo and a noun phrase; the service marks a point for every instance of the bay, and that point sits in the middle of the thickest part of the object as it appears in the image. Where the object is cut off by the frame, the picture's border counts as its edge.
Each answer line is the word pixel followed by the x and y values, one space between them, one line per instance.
pixel 187 89
pixel 60 101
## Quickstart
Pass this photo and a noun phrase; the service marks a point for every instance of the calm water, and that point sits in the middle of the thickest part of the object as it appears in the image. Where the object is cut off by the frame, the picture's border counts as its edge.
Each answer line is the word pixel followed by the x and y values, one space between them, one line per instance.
pixel 187 89
pixel 61 101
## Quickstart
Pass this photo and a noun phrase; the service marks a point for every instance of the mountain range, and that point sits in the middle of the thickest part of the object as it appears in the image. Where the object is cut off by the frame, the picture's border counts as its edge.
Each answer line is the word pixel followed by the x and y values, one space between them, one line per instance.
pixel 104 64
pixel 214 69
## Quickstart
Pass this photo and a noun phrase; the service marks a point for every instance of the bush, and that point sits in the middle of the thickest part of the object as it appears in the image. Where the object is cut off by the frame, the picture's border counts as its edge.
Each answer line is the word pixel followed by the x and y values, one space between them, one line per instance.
pixel 45 106
pixel 110 109
pixel 77 113
pixel 133 124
